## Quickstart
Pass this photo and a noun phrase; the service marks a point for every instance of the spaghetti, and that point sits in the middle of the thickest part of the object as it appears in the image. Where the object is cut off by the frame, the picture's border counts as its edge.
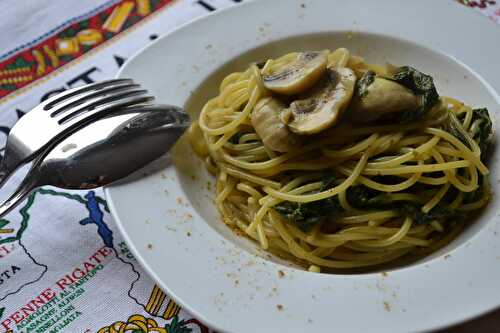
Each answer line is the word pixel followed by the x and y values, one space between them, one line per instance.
pixel 363 187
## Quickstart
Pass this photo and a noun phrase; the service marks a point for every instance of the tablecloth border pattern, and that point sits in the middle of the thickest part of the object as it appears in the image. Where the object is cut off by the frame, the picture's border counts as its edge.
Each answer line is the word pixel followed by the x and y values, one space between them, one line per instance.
pixel 75 40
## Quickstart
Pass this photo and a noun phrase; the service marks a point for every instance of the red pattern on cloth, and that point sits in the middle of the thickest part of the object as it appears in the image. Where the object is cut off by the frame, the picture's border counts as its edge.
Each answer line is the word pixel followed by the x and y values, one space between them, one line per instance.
pixel 70 43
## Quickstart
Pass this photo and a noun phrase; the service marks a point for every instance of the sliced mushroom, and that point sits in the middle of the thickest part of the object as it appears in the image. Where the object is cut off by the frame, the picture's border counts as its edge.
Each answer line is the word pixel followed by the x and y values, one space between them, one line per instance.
pixel 299 75
pixel 325 104
pixel 408 94
pixel 377 96
pixel 266 121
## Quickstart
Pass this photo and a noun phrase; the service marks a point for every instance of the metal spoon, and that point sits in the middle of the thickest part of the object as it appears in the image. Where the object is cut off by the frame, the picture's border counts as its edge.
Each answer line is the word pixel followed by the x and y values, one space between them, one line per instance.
pixel 59 116
pixel 105 151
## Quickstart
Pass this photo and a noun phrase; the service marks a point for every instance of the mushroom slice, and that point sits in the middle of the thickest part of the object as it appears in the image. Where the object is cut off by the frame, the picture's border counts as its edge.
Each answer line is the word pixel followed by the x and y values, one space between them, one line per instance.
pixel 325 104
pixel 377 96
pixel 266 121
pixel 298 75
pixel 406 95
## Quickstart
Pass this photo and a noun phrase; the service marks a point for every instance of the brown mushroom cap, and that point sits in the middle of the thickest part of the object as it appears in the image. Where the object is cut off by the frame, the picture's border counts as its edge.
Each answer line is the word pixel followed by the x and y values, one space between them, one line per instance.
pixel 325 104
pixel 298 75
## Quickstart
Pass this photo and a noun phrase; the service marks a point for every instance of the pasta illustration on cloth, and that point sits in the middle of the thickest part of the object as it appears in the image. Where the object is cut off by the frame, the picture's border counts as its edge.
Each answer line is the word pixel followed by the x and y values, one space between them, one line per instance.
pixel 335 163
pixel 138 323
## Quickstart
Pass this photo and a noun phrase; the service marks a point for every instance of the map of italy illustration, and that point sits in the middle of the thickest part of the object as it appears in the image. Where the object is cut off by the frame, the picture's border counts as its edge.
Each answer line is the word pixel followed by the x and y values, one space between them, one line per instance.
pixel 72 276
pixel 64 267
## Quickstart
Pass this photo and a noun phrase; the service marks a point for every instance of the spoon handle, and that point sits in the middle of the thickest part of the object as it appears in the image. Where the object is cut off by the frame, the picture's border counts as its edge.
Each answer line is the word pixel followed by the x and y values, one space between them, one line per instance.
pixel 4 174
pixel 9 163
pixel 25 188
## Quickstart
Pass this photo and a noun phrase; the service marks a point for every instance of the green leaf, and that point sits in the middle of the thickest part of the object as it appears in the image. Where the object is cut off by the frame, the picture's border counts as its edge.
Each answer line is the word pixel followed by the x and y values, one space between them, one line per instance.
pixel 1 312
pixel 327 182
pixel 363 83
pixel 235 138
pixel 481 129
pixel 470 197
pixel 306 215
pixel 363 197
pixel 422 85
pixel 455 128
pixel 438 213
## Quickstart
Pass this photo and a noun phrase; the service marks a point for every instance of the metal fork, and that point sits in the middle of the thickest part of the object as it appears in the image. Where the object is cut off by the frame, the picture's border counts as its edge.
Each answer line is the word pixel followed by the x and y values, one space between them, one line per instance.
pixel 105 151
pixel 60 116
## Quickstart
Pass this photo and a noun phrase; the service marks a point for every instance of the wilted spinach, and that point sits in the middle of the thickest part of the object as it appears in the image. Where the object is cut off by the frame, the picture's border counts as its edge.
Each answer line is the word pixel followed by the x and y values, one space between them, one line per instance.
pixel 306 215
pixel 422 85
pixel 363 197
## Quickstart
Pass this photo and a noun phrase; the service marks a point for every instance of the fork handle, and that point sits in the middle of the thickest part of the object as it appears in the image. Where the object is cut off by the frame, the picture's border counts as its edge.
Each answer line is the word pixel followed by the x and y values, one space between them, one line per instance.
pixel 6 170
pixel 4 175
pixel 9 163
pixel 27 186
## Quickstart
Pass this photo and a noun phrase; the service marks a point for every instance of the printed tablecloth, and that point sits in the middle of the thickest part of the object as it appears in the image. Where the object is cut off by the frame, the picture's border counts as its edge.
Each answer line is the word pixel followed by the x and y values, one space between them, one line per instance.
pixel 64 267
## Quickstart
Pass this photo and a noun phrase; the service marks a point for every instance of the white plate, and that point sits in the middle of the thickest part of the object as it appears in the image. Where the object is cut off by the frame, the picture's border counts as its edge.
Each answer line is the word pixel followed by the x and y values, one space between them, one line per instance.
pixel 223 279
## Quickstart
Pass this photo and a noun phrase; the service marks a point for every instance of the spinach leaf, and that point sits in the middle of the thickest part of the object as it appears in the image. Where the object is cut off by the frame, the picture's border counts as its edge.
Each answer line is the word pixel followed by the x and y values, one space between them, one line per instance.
pixel 482 129
pixel 363 83
pixel 235 139
pixel 470 197
pixel 306 215
pixel 414 211
pixel 422 85
pixel 455 129
pixel 363 197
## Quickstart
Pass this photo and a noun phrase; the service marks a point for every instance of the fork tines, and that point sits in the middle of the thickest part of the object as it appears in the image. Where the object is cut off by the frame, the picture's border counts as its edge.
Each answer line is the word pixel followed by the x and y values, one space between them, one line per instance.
pixel 92 99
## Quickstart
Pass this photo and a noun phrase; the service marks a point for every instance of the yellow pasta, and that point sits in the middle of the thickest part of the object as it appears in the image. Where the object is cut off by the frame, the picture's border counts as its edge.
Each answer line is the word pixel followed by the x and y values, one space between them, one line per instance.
pixel 356 193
